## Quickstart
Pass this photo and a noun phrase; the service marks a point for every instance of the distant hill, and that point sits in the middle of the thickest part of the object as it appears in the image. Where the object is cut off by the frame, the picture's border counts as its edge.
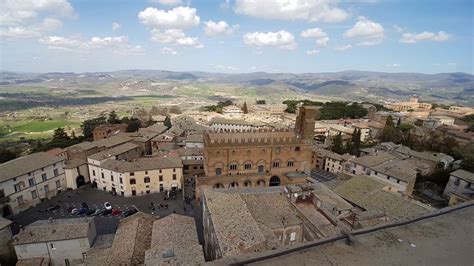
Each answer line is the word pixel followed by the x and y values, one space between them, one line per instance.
pixel 354 85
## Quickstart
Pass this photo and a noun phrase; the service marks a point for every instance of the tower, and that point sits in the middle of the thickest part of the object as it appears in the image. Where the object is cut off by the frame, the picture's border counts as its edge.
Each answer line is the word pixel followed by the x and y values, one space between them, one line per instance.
pixel 304 126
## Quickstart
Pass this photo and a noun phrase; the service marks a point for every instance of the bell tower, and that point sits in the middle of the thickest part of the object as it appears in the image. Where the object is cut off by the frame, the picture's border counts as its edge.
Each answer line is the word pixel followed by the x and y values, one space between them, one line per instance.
pixel 305 121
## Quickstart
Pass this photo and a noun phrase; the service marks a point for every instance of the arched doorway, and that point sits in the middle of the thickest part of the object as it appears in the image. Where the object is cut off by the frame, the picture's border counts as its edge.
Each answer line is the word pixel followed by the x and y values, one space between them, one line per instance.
pixel 233 184
pixel 261 183
pixel 80 181
pixel 247 183
pixel 274 181
pixel 218 185
pixel 6 211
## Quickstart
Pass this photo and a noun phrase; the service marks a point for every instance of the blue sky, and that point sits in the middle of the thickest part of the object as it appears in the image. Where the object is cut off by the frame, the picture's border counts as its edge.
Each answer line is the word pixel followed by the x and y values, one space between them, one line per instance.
pixel 237 36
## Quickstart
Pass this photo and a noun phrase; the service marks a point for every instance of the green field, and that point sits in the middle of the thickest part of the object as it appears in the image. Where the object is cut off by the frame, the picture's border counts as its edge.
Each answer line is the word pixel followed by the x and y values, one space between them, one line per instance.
pixel 41 126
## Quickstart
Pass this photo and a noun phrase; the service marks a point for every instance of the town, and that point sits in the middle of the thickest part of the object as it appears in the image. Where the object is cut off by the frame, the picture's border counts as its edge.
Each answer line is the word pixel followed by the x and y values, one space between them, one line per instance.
pixel 244 183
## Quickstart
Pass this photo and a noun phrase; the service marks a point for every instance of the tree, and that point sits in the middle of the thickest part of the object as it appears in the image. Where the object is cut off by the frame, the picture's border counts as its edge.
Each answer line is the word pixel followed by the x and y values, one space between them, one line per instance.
pixel 134 125
pixel 388 132
pixel 261 102
pixel 337 144
pixel 245 109
pixel 167 122
pixel 113 118
pixel 6 155
pixel 60 134
pixel 356 143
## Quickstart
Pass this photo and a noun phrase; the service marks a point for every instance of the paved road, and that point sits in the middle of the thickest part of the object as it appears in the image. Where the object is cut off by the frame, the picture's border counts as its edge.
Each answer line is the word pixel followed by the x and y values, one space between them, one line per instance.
pixel 96 198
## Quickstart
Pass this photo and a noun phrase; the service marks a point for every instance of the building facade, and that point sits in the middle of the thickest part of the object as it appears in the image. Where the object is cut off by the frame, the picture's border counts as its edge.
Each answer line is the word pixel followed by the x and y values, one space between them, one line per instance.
pixel 142 176
pixel 26 181
pixel 460 187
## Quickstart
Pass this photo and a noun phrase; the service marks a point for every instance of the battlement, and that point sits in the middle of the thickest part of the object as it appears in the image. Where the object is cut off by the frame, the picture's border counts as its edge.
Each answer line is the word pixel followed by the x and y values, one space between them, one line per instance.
pixel 255 136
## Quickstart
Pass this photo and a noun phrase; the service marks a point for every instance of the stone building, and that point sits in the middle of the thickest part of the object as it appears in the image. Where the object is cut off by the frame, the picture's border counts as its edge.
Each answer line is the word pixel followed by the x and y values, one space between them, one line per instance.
pixel 7 254
pixel 107 130
pixel 61 241
pixel 460 187
pixel 26 181
pixel 259 158
pixel 139 177
pixel 412 104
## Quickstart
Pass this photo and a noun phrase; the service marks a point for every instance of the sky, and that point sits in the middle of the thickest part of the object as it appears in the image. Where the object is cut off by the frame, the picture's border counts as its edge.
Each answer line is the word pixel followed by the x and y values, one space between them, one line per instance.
pixel 237 36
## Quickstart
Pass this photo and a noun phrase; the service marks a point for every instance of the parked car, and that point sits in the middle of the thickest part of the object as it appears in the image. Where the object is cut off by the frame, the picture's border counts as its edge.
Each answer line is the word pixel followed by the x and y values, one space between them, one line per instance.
pixel 53 207
pixel 99 211
pixel 116 212
pixel 75 211
pixel 106 212
pixel 84 205
pixel 129 212
pixel 90 211
pixel 108 206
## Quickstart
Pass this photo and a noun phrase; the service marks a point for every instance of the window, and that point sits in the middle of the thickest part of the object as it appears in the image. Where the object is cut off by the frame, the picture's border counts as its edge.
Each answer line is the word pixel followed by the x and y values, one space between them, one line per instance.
pixel 112 177
pixel 218 171
pixel 34 194
pixel 174 176
pixel 133 181
pixel 121 180
pixel 292 236
pixel 56 172
pixel 160 171
pixel 261 168
pixel 248 166
pixel 19 199
pixel 93 172
pixel 290 163
pixel 174 170
pixel 297 149
pixel 276 164
pixel 52 246
pixel 17 187
pixel 277 150
pixel 233 166
pixel 102 175
pixel 46 189
pixel 132 174
pixel 146 172
pixel 31 181
pixel 146 179
pixel 160 178
pixel 58 184
pixel 44 177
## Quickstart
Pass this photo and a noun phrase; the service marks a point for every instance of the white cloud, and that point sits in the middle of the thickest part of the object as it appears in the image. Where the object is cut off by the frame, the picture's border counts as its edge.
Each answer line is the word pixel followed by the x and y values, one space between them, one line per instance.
pixel 115 26
pixel 177 18
pixel 118 44
pixel 397 28
pixel 168 51
pixel 319 35
pixel 216 28
pixel 425 36
pixel 312 52
pixel 225 68
pixel 306 10
pixel 343 48
pixel 281 39
pixel 392 65
pixel 366 32
pixel 175 37
pixel 167 2
pixel 30 18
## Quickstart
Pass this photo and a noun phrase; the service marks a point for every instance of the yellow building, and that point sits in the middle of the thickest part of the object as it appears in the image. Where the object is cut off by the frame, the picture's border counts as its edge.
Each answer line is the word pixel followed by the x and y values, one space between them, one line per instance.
pixel 139 177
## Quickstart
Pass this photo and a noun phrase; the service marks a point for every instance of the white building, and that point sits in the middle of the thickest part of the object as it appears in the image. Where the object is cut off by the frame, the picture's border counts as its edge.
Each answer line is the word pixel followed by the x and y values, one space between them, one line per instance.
pixel 460 186
pixel 59 242
pixel 26 181
pixel 232 111
pixel 228 125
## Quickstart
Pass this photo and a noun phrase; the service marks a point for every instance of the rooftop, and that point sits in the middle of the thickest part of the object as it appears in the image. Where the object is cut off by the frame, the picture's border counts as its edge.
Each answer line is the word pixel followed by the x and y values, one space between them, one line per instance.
pixel 199 138
pixel 463 174
pixel 74 163
pixel 4 222
pixel 220 120
pixel 53 230
pixel 132 240
pixel 177 234
pixel 368 193
pixel 398 169
pixel 142 164
pixel 113 151
pixel 373 159
pixel 26 164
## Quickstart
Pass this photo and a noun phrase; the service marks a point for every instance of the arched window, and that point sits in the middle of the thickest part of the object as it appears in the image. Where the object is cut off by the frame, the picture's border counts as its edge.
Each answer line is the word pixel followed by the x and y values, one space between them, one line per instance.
pixel 290 163
pixel 261 168
pixel 276 164
pixel 133 181
pixel 218 171
pixel 233 166
pixel 248 183
pixel 146 179
pixel 297 149
pixel 248 166
pixel 234 184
